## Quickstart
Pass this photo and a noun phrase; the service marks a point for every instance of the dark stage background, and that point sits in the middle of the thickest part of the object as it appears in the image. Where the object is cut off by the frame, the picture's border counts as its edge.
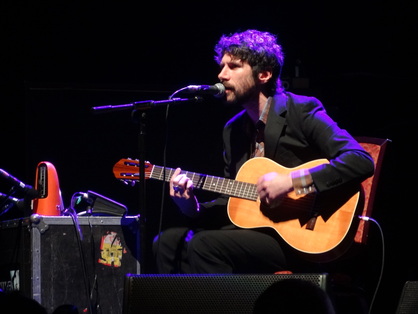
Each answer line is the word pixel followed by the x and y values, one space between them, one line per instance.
pixel 60 59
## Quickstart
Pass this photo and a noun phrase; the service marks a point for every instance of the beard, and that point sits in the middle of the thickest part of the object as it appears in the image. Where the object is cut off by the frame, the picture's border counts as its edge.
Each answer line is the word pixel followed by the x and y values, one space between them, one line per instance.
pixel 240 98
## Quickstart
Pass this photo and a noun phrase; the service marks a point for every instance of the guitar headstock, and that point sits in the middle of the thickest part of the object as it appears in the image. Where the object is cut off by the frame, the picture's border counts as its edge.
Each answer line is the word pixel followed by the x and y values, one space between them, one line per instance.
pixel 127 170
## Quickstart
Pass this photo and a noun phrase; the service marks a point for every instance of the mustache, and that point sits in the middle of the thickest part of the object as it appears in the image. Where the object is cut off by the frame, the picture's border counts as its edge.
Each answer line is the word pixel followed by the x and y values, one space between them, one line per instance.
pixel 227 86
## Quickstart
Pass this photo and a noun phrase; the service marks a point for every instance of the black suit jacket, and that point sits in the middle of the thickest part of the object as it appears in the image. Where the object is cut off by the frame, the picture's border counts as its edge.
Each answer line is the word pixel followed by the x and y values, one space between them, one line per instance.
pixel 298 130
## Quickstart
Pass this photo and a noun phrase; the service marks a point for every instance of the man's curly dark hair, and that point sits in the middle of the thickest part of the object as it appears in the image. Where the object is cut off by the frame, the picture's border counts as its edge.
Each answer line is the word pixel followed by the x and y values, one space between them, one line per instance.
pixel 259 49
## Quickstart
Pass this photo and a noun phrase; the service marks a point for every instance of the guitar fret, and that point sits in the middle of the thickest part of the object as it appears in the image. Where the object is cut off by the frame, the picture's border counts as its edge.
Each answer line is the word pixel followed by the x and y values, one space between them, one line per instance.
pixel 240 191
pixel 238 188
pixel 210 185
pixel 225 186
pixel 158 173
pixel 217 185
pixel 247 190
pixel 193 178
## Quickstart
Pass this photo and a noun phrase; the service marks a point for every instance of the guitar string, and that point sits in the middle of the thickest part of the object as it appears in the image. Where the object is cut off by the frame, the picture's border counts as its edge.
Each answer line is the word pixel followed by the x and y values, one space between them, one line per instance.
pixel 230 187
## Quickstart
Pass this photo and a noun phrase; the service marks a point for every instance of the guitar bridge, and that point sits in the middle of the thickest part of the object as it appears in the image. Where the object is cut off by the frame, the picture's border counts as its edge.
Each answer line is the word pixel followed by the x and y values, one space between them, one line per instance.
pixel 311 223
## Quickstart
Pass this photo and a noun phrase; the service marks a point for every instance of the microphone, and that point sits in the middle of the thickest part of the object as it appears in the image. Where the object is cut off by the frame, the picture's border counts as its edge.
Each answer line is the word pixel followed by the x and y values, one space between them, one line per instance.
pixel 27 189
pixel 217 90
pixel 9 201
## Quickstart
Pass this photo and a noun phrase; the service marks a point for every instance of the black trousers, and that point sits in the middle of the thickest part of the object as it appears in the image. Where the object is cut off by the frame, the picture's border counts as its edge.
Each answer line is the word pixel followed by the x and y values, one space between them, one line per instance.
pixel 228 250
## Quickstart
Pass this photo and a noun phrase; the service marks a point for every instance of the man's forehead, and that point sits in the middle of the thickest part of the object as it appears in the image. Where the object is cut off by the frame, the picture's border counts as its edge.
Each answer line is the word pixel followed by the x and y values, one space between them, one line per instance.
pixel 227 57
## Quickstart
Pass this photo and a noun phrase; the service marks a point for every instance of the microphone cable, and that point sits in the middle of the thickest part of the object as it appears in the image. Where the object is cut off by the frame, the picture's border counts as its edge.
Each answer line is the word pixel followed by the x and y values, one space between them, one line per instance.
pixel 70 211
pixel 365 218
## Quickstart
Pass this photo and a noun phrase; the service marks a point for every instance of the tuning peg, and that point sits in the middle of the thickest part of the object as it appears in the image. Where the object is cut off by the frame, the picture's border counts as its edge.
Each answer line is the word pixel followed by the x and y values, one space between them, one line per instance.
pixel 127 182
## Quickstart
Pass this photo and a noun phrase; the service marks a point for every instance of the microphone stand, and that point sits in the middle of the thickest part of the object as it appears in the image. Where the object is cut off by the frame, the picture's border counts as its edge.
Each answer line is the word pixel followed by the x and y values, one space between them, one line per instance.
pixel 142 201
pixel 142 106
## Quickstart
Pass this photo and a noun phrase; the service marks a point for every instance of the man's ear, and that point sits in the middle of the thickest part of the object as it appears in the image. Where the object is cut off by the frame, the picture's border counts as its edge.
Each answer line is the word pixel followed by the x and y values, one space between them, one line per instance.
pixel 264 76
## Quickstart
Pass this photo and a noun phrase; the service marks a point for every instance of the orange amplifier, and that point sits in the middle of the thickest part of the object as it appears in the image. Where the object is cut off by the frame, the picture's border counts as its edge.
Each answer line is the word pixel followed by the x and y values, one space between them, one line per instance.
pixel 49 202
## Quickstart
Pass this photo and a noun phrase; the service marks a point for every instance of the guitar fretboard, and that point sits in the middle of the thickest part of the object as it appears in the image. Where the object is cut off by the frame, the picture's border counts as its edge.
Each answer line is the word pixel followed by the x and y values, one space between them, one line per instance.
pixel 210 183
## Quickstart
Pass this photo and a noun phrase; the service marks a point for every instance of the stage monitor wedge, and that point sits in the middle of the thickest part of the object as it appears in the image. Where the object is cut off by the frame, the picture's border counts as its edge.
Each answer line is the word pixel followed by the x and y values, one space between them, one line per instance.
pixel 161 294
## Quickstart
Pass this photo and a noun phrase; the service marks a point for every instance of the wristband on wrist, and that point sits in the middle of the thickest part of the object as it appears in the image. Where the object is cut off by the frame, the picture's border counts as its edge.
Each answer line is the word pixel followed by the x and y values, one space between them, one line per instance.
pixel 302 182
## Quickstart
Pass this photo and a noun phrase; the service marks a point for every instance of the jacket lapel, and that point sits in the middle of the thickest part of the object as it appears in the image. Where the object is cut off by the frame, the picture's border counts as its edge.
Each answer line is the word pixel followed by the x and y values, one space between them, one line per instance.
pixel 276 123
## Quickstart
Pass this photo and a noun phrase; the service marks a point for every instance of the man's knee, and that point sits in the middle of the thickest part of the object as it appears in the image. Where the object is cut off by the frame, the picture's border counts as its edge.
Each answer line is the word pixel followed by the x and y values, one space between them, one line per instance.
pixel 206 254
pixel 202 243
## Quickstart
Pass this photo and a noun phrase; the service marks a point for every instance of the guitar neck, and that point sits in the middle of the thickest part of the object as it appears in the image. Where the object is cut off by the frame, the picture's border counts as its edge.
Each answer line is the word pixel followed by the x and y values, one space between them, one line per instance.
pixel 210 183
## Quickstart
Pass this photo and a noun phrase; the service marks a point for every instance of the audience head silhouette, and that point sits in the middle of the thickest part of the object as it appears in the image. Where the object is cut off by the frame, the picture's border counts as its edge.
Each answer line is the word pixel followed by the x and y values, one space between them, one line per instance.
pixel 290 296
pixel 16 302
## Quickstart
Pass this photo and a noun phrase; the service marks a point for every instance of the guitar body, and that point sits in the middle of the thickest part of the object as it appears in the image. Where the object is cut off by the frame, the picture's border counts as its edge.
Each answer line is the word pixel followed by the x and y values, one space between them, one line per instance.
pixel 333 219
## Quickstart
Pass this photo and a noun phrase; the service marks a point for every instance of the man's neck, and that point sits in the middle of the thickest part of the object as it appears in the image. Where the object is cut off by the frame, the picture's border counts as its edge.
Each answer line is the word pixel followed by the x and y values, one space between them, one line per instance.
pixel 255 108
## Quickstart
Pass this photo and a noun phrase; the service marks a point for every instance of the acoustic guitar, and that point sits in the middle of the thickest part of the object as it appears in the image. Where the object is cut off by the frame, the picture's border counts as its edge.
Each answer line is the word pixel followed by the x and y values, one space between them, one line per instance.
pixel 320 227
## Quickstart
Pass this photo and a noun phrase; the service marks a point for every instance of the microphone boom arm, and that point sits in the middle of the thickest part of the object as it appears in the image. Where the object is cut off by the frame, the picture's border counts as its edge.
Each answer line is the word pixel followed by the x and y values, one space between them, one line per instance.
pixel 143 105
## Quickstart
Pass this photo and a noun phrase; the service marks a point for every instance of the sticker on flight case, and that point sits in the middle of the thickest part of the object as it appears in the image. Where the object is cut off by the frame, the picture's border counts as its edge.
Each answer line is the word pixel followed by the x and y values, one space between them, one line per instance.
pixel 111 250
